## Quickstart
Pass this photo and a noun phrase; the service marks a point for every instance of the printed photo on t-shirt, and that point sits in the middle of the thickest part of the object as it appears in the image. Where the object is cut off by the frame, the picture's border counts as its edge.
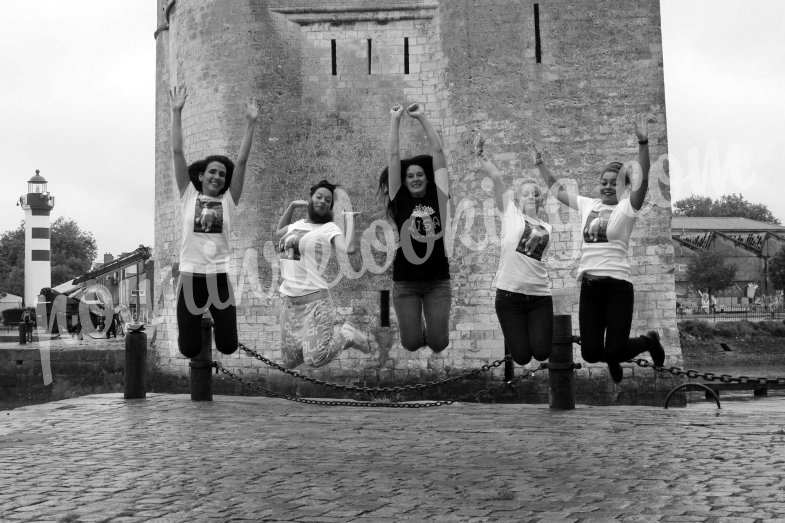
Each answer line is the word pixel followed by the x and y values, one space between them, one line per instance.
pixel 595 230
pixel 208 215
pixel 539 250
pixel 290 244
pixel 424 224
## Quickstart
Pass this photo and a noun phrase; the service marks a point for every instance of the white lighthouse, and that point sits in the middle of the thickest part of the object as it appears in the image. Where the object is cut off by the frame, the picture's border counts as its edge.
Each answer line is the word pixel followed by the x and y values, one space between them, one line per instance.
pixel 38 203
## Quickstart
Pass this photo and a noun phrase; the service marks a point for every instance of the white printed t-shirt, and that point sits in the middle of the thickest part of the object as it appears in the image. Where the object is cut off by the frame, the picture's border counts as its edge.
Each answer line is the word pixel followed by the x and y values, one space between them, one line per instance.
pixel 519 272
pixel 207 222
pixel 303 265
pixel 606 231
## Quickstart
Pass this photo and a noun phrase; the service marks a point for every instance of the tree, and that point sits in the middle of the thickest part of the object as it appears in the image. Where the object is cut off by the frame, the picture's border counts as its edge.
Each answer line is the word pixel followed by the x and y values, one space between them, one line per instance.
pixel 72 253
pixel 728 205
pixel 707 270
pixel 777 270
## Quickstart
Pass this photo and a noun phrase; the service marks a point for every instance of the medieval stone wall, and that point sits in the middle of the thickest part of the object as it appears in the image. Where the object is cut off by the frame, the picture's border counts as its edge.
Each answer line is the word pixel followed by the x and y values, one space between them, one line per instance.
pixel 474 66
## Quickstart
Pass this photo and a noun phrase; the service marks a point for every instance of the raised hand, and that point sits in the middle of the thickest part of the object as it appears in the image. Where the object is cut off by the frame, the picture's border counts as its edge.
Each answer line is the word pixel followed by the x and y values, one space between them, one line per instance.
pixel 642 131
pixel 535 154
pixel 396 110
pixel 415 110
pixel 252 108
pixel 177 96
pixel 479 144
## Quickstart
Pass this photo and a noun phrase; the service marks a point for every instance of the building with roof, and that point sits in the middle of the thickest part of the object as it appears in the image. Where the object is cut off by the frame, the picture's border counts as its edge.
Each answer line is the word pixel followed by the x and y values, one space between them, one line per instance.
pixel 747 244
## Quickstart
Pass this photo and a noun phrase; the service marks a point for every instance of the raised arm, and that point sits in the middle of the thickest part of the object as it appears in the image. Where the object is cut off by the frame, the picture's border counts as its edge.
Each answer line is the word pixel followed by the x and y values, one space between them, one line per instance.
pixel 345 242
pixel 238 178
pixel 177 98
pixel 639 190
pixel 286 217
pixel 490 170
pixel 394 153
pixel 435 149
pixel 554 186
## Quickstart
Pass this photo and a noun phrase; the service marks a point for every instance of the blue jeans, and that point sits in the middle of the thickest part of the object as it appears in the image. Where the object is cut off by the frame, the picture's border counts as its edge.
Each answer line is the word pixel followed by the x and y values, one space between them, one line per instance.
pixel 412 299
pixel 527 325
pixel 605 318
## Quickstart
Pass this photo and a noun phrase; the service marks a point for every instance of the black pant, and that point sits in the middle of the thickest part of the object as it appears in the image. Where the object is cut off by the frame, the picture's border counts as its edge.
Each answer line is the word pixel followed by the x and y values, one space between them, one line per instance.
pixel 605 318
pixel 198 293
pixel 527 325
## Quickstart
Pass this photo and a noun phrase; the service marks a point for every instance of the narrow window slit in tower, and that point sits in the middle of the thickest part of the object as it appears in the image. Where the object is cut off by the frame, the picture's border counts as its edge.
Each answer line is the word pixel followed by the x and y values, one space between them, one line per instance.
pixel 384 308
pixel 369 56
pixel 406 55
pixel 332 52
pixel 537 41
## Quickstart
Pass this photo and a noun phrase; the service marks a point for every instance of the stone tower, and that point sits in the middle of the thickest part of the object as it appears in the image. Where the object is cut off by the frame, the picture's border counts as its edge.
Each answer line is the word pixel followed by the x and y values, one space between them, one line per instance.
pixel 37 204
pixel 567 77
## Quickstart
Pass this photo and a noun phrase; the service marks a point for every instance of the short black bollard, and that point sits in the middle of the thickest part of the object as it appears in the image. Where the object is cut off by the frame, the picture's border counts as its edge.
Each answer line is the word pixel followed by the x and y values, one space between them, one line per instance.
pixel 560 364
pixel 202 366
pixel 22 334
pixel 135 362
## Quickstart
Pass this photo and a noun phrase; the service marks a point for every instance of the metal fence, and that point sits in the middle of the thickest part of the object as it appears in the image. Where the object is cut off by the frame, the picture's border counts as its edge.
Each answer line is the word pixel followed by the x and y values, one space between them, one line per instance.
pixel 759 313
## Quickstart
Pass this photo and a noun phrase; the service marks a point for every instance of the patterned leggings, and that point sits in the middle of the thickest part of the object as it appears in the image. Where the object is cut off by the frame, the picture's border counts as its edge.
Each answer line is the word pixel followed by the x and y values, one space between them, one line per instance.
pixel 308 332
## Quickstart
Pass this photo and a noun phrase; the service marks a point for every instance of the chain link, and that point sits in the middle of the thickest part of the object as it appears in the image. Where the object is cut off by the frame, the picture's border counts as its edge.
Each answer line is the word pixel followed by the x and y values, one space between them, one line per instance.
pixel 373 390
pixel 709 376
pixel 395 405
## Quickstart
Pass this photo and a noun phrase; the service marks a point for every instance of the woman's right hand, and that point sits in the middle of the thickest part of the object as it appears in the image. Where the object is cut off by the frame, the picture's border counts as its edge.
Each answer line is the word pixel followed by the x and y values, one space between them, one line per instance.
pixel 396 111
pixel 535 153
pixel 415 110
pixel 177 96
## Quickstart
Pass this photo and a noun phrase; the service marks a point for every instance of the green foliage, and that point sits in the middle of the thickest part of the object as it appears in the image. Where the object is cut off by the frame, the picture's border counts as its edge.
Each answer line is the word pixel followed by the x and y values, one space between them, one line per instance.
pixel 728 205
pixel 72 253
pixel 707 270
pixel 777 270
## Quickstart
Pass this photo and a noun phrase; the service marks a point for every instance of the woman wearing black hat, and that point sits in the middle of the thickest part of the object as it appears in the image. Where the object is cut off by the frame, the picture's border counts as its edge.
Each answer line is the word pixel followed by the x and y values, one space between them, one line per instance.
pixel 209 191
pixel 308 312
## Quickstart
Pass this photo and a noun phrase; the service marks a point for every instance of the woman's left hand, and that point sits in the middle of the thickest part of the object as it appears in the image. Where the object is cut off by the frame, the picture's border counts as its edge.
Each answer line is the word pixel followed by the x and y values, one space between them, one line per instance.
pixel 642 131
pixel 252 109
pixel 415 110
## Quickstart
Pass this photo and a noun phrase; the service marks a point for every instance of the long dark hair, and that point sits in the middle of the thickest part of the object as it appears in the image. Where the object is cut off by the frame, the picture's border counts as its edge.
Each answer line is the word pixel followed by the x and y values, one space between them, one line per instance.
pixel 424 160
pixel 198 167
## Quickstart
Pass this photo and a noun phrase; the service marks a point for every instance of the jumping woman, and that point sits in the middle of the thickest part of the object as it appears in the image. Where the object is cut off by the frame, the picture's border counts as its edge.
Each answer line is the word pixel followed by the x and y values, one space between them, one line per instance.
pixel 416 191
pixel 308 314
pixel 524 304
pixel 209 192
pixel 606 300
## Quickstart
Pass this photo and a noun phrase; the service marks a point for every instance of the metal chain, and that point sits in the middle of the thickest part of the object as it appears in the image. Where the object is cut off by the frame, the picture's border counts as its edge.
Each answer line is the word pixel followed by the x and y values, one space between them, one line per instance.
pixel 374 390
pixel 709 376
pixel 394 405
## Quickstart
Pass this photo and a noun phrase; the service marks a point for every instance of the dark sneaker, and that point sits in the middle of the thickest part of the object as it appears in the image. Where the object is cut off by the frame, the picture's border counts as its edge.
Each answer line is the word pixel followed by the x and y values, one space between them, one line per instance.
pixel 615 370
pixel 657 351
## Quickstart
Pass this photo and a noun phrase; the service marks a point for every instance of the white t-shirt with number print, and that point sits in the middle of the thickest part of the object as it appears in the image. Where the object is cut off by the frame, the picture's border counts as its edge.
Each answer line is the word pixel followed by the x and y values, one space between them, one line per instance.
pixel 520 272
pixel 606 231
pixel 303 263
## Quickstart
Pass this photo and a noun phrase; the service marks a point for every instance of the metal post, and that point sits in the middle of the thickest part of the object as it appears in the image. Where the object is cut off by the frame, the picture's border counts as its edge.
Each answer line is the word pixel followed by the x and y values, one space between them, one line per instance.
pixel 135 362
pixel 22 334
pixel 560 364
pixel 202 366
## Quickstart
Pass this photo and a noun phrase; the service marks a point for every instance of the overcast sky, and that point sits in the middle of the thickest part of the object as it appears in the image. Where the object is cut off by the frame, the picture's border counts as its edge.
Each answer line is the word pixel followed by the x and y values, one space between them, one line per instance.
pixel 77 99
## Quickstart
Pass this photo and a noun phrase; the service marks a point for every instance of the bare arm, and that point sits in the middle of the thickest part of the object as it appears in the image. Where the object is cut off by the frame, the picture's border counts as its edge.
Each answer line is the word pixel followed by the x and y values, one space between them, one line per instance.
pixel 286 217
pixel 554 186
pixel 238 178
pixel 434 147
pixel 345 242
pixel 490 170
pixel 639 190
pixel 177 98
pixel 394 153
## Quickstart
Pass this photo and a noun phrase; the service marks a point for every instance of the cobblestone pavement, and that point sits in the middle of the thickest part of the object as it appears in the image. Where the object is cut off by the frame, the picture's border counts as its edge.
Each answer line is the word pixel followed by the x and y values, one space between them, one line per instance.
pixel 166 458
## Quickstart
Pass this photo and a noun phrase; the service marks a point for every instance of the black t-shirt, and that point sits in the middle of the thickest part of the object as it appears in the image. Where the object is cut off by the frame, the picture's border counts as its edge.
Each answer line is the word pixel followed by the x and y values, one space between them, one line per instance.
pixel 419 225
